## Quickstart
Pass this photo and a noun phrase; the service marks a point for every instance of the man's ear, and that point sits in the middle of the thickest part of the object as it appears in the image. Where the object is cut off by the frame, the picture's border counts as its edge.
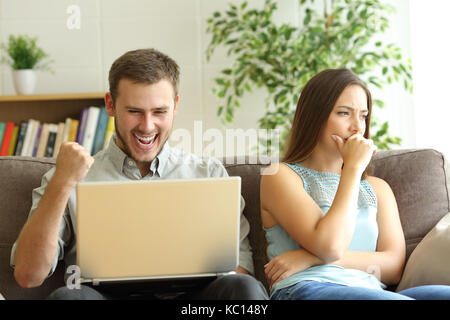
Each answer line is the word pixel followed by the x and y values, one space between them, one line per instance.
pixel 109 104
pixel 175 108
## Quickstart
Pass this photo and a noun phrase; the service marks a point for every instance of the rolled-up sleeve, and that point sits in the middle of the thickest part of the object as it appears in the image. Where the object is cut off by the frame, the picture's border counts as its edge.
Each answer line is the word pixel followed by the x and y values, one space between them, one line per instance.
pixel 64 230
pixel 245 250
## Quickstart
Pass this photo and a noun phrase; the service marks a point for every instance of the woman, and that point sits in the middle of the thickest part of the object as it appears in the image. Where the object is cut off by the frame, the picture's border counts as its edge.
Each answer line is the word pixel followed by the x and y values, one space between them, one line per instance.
pixel 333 231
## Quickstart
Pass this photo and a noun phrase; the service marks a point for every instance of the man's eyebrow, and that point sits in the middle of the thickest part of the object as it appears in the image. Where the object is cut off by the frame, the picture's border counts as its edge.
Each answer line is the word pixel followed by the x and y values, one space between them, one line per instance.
pixel 132 107
pixel 141 109
pixel 162 108
pixel 352 109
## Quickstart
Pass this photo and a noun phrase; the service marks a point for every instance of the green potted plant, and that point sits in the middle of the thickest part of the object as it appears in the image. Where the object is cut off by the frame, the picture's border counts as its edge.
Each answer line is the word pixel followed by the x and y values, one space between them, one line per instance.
pixel 25 57
pixel 281 58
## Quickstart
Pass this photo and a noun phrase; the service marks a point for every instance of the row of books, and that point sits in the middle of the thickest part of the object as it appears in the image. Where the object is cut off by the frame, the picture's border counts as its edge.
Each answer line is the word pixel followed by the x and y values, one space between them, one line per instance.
pixel 92 130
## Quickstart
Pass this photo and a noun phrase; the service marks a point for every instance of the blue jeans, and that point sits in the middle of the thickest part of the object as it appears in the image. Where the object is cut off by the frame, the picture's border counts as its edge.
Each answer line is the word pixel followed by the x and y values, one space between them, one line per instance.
pixel 313 290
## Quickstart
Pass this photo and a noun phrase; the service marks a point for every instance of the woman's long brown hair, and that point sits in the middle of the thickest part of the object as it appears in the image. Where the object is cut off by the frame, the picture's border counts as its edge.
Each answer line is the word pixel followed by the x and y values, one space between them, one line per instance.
pixel 314 106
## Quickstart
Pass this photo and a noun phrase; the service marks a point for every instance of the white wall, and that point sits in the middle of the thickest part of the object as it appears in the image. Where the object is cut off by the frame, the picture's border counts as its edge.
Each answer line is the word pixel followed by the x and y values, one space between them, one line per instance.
pixel 176 27
pixel 431 70
pixel 111 27
pixel 399 105
pixel 108 29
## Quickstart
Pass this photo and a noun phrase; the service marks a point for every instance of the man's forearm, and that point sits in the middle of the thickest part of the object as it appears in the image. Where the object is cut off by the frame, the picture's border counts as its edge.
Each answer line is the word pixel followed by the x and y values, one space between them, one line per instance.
pixel 38 241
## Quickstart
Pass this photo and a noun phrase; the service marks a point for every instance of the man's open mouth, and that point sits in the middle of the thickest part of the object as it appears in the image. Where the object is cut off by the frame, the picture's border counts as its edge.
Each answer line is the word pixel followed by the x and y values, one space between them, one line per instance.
pixel 145 141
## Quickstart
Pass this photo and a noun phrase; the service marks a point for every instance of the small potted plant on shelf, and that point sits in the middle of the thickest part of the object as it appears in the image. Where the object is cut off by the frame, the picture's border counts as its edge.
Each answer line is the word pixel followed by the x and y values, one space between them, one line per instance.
pixel 25 57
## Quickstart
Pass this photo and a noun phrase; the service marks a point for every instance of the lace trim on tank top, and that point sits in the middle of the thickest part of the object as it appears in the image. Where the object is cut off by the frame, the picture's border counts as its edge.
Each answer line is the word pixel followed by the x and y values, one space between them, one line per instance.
pixel 322 187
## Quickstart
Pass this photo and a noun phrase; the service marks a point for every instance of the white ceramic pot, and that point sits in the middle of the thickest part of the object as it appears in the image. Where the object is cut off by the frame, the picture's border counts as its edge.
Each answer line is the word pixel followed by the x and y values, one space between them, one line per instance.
pixel 24 81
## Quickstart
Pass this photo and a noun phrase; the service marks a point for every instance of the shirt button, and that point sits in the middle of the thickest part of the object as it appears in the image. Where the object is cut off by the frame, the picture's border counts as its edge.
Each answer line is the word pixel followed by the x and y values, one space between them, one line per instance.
pixel 130 163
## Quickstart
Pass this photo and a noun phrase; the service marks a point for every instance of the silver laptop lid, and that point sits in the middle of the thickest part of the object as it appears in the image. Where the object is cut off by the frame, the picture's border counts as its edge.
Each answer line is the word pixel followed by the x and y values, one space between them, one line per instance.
pixel 157 229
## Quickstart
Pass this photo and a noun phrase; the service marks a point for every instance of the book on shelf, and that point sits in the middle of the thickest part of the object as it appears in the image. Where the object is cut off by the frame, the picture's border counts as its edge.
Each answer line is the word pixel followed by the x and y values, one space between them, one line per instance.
pixel 27 137
pixel 82 125
pixel 36 142
pixel 65 136
pixel 29 143
pixel 12 145
pixel 91 127
pixel 59 138
pixel 21 137
pixel 7 137
pixel 109 131
pixel 100 131
pixel 73 130
pixel 2 131
pixel 43 140
pixel 50 147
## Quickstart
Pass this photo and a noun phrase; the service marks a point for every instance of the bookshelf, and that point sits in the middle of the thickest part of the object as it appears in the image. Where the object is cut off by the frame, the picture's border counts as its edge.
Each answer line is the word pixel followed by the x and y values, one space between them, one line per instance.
pixel 51 108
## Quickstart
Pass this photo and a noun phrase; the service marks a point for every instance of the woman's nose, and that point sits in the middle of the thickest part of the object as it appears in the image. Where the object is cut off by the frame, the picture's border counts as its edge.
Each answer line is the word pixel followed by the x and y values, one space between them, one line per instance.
pixel 357 126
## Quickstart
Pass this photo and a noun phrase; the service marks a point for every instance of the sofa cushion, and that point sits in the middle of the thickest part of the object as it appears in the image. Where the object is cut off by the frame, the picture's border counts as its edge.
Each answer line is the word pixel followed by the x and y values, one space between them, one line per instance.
pixel 18 177
pixel 420 181
pixel 429 262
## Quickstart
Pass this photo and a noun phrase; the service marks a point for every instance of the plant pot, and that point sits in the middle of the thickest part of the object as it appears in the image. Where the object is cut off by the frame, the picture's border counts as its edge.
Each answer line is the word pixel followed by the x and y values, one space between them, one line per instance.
pixel 24 81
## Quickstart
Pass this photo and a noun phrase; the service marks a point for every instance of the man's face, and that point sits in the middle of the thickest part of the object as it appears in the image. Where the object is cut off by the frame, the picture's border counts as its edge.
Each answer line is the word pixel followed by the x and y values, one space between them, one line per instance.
pixel 143 115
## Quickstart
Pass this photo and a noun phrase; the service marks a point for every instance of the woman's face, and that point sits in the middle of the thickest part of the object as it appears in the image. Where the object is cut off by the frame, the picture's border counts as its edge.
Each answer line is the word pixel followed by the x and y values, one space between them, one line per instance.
pixel 347 117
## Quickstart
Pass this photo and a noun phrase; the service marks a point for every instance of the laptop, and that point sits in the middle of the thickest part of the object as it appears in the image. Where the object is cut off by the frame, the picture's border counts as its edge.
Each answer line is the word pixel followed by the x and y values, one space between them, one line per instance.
pixel 157 230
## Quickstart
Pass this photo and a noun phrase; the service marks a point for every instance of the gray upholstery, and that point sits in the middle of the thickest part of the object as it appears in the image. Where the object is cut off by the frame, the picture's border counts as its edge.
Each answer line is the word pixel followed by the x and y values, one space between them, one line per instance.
pixel 18 177
pixel 419 179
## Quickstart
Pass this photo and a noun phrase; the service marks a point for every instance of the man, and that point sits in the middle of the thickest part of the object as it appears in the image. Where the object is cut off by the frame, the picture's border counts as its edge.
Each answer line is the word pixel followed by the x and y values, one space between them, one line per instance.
pixel 143 99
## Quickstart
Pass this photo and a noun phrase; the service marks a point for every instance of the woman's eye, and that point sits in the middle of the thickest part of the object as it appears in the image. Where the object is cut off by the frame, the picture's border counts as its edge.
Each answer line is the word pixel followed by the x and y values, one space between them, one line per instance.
pixel 345 113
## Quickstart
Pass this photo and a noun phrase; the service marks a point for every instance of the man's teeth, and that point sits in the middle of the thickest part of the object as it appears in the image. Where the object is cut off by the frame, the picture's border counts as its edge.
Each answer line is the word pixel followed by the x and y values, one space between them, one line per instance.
pixel 146 140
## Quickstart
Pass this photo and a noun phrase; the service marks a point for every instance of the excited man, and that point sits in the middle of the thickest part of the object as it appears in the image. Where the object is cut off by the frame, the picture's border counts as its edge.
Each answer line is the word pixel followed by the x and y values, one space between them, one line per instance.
pixel 143 100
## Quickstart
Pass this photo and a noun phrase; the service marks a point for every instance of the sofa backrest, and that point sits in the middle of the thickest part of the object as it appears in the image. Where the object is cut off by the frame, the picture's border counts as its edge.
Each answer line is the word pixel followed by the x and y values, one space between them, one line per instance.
pixel 419 179
pixel 250 172
pixel 18 177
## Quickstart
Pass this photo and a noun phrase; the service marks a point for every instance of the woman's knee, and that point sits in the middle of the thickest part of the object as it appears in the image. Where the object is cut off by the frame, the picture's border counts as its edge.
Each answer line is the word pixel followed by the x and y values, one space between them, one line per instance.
pixel 428 292
pixel 313 290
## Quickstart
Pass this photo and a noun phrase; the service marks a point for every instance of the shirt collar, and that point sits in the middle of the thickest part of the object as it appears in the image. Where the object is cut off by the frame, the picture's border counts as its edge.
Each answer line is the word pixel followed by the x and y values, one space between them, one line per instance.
pixel 159 163
pixel 119 158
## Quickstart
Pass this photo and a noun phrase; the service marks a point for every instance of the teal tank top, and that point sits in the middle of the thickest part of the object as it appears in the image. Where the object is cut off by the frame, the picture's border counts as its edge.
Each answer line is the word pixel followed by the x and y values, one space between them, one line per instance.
pixel 322 187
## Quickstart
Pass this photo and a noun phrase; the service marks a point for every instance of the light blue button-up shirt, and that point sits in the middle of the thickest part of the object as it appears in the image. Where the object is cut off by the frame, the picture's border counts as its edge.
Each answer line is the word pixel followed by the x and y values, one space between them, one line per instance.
pixel 112 164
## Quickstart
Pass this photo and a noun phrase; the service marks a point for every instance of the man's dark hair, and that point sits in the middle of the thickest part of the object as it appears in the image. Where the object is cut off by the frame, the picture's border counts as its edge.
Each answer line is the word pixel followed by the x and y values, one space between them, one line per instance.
pixel 147 66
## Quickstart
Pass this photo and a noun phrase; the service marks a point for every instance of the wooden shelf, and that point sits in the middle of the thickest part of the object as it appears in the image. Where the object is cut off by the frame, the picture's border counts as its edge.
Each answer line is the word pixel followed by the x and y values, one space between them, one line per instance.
pixel 61 96
pixel 52 108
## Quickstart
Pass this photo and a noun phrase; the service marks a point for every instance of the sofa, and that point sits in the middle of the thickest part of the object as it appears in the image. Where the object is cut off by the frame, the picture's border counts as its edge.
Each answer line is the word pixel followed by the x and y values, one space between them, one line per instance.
pixel 420 180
